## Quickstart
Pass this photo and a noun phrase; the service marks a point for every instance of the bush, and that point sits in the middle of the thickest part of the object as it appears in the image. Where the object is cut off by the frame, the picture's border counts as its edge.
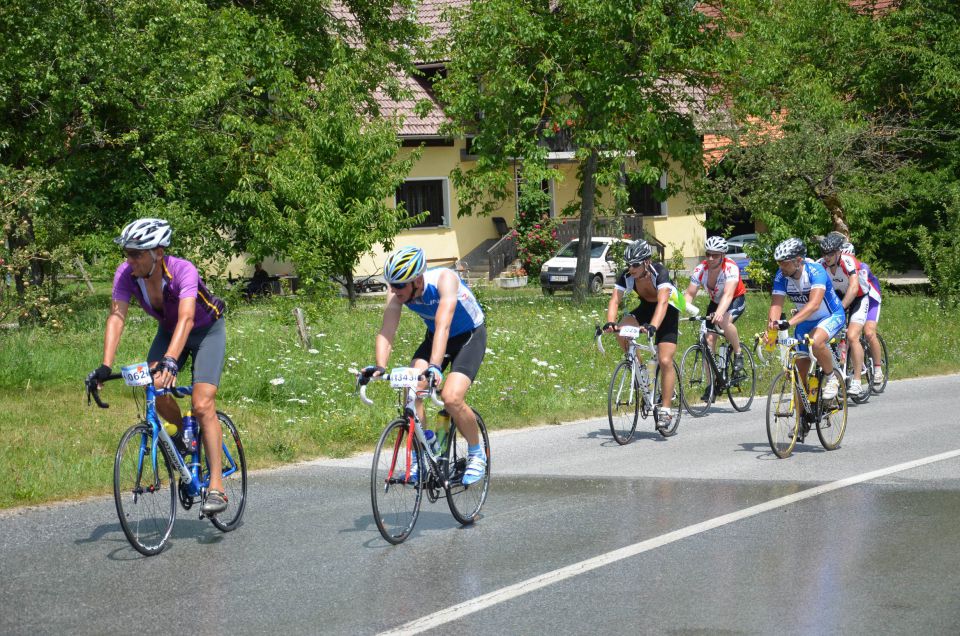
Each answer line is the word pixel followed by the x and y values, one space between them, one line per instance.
pixel 536 241
pixel 939 251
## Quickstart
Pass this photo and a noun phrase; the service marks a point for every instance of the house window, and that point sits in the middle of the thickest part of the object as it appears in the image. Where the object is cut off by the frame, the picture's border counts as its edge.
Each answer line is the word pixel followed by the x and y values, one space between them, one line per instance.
pixel 425 195
pixel 642 198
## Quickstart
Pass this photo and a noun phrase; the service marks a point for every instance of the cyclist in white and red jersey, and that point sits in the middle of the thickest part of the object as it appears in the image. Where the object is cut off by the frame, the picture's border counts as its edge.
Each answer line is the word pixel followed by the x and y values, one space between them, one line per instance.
pixel 852 289
pixel 873 313
pixel 189 325
pixel 720 276
pixel 456 336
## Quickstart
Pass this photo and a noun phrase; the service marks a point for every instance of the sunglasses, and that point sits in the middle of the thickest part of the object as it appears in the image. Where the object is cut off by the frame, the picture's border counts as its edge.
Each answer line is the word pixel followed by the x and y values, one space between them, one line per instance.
pixel 398 286
pixel 635 264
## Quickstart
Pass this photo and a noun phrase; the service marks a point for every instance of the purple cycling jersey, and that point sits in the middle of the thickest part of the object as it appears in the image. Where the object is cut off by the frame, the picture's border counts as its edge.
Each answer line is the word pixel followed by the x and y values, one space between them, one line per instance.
pixel 180 280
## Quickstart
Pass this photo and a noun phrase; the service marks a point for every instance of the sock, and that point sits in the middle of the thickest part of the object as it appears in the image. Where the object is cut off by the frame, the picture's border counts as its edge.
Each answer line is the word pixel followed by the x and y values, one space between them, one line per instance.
pixel 476 450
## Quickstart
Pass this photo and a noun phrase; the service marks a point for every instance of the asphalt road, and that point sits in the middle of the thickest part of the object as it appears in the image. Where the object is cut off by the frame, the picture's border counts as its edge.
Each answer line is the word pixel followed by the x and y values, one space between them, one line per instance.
pixel 706 532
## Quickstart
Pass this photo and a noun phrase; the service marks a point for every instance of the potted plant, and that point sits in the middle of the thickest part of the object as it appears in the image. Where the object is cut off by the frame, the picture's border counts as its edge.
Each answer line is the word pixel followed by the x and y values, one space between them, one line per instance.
pixel 513 277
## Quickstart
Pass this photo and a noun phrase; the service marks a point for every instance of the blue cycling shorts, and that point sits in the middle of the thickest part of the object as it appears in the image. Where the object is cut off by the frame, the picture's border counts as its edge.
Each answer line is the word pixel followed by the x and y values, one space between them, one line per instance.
pixel 832 324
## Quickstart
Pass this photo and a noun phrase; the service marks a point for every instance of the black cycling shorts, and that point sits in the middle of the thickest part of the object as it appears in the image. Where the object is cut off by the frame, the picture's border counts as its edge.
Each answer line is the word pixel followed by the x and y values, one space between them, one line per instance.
pixel 666 332
pixel 737 305
pixel 464 352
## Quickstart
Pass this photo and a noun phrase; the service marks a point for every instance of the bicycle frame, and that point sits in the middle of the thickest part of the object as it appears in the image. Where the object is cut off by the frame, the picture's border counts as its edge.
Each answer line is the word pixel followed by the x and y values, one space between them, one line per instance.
pixel 704 346
pixel 645 370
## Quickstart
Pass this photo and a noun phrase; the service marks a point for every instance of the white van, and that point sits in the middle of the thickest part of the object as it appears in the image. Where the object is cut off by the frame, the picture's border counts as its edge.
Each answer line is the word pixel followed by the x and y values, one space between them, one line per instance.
pixel 557 273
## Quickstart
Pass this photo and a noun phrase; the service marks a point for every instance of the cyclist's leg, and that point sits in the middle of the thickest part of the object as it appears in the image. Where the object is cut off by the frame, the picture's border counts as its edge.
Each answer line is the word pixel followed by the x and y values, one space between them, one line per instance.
pixel 208 347
pixel 466 354
pixel 726 323
pixel 858 316
pixel 666 340
pixel 826 329
pixel 870 331
pixel 803 357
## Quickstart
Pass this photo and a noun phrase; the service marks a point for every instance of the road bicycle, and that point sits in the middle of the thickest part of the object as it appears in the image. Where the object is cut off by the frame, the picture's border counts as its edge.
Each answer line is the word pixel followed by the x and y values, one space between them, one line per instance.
pixel 841 358
pixel 795 406
pixel 145 489
pixel 705 375
pixel 396 498
pixel 631 394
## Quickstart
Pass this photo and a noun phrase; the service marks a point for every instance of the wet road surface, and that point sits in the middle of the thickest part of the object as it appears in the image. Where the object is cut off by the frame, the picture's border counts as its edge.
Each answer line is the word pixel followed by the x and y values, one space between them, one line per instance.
pixel 874 557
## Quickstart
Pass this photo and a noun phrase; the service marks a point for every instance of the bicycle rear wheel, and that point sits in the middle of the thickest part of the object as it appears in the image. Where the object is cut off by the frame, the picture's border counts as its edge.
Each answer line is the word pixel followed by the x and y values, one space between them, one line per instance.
pixel 676 402
pixel 623 403
pixel 877 388
pixel 465 501
pixel 783 416
pixel 396 502
pixel 833 416
pixel 234 466
pixel 695 378
pixel 145 494
pixel 741 388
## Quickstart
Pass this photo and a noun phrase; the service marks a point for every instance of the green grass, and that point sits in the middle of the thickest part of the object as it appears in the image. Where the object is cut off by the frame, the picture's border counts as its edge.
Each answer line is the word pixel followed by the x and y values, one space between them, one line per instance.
pixel 541 367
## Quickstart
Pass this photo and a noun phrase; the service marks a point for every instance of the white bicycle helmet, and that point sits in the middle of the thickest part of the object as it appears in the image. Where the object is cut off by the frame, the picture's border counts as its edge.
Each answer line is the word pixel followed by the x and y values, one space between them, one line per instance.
pixel 847 248
pixel 717 244
pixel 789 249
pixel 145 234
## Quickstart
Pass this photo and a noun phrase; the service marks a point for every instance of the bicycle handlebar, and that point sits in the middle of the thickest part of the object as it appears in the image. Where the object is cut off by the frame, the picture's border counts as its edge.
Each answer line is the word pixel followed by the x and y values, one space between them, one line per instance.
pixel 362 390
pixel 600 332
pixel 94 391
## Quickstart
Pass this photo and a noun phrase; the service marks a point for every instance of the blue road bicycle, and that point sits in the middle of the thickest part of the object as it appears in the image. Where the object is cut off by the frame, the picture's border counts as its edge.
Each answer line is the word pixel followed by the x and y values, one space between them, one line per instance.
pixel 145 488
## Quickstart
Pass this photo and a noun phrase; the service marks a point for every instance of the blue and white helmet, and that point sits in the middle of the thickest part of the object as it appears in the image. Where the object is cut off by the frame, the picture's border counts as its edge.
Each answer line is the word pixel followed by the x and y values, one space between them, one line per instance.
pixel 145 234
pixel 404 265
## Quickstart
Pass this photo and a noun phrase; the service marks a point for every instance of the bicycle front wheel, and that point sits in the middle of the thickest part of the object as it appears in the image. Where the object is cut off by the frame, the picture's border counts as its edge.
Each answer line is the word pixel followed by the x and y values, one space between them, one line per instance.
pixel 833 416
pixel 742 386
pixel 396 501
pixel 465 501
pixel 145 492
pixel 783 416
pixel 234 466
pixel 695 378
pixel 676 402
pixel 623 403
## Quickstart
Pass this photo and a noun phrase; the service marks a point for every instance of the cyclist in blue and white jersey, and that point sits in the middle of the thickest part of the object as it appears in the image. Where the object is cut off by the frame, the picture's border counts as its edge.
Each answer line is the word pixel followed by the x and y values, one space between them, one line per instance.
pixel 819 310
pixel 873 312
pixel 456 336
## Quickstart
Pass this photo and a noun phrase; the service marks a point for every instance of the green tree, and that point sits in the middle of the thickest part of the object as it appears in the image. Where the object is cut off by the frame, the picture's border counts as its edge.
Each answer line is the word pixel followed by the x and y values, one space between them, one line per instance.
pixel 617 79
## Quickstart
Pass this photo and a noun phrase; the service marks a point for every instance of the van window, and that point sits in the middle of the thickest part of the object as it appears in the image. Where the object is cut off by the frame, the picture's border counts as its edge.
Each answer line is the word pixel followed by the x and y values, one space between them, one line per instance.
pixel 570 249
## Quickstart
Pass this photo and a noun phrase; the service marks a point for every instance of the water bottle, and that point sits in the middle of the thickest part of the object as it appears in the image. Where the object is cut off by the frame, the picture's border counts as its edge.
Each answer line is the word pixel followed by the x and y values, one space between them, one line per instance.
pixel 190 432
pixel 721 356
pixel 814 388
pixel 771 342
pixel 431 440
pixel 171 429
pixel 443 425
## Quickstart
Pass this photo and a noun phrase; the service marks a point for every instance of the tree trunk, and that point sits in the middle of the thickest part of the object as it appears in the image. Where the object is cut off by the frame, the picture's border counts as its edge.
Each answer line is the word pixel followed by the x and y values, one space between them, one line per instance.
pixel 351 292
pixel 587 200
pixel 838 215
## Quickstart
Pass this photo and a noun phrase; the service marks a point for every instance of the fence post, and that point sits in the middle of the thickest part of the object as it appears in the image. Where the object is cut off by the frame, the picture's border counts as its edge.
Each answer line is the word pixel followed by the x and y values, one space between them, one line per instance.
pixel 301 327
pixel 83 272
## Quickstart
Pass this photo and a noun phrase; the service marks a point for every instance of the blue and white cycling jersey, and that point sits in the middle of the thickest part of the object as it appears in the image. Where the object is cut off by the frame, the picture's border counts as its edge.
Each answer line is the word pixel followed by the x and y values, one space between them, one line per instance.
pixel 466 317
pixel 813 276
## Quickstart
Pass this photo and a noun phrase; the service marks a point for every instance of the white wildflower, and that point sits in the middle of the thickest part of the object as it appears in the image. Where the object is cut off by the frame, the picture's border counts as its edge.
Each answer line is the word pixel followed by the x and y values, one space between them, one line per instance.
pixel 277 381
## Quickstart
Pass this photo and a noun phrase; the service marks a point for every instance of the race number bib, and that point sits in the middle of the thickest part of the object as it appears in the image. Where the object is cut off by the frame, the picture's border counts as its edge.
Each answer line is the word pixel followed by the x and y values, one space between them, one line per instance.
pixel 405 378
pixel 629 331
pixel 136 374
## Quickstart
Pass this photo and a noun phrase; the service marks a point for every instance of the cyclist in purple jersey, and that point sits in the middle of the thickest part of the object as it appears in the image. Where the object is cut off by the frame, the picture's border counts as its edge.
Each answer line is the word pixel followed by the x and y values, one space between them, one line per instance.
pixel 873 314
pixel 189 316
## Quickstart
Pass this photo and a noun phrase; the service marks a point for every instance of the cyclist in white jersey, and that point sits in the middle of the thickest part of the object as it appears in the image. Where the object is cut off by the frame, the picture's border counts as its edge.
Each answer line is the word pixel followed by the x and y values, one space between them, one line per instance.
pixel 456 336
pixel 818 309
pixel 851 287
pixel 873 313
pixel 720 277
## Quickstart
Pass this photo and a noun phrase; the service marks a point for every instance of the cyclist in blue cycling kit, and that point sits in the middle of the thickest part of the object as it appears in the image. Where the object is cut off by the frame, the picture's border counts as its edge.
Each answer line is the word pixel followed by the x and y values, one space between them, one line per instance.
pixel 819 310
pixel 456 336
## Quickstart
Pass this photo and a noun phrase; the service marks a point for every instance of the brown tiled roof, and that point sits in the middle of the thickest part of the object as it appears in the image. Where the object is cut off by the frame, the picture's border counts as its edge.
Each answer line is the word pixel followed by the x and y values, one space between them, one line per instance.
pixel 430 14
pixel 413 124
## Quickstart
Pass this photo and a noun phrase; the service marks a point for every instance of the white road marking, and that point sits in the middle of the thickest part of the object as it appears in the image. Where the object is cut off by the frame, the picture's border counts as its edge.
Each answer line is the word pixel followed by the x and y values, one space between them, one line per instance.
pixel 457 612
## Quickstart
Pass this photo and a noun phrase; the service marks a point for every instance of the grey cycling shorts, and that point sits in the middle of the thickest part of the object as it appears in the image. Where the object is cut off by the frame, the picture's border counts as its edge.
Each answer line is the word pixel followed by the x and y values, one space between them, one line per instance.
pixel 207 347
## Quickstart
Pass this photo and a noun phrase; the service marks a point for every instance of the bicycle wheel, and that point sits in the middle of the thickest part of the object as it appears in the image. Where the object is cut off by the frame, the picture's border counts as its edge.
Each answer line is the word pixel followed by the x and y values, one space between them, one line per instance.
pixel 695 378
pixel 676 402
pixel 234 466
pixel 145 493
pixel 833 416
pixel 741 388
pixel 623 403
pixel 879 388
pixel 396 503
pixel 465 501
pixel 783 416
